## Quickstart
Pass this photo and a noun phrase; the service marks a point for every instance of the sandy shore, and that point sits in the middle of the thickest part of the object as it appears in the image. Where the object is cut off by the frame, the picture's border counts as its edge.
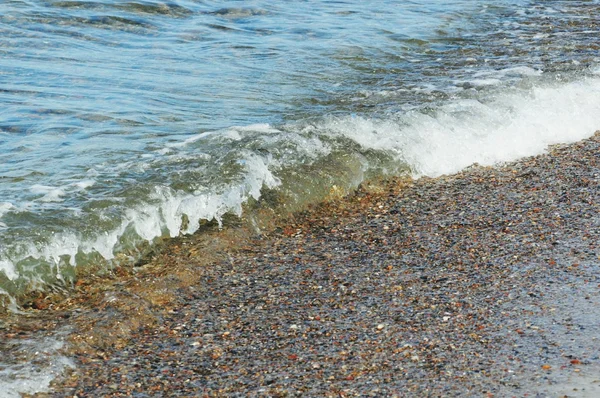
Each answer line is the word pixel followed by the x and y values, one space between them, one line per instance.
pixel 484 283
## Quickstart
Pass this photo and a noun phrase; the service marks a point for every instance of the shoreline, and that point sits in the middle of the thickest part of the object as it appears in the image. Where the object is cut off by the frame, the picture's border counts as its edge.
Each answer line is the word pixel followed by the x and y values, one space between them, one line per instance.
pixel 482 282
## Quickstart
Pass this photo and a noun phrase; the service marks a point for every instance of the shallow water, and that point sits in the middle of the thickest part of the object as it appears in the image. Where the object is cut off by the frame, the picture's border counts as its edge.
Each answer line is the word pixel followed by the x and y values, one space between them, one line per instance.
pixel 124 122
pixel 29 365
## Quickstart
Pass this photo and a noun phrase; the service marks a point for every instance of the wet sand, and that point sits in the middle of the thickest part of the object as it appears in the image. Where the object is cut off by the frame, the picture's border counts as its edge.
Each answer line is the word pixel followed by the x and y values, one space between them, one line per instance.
pixel 483 283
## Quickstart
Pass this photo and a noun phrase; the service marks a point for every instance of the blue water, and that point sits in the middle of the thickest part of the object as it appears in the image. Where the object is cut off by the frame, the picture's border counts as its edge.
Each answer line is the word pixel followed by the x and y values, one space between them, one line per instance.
pixel 126 122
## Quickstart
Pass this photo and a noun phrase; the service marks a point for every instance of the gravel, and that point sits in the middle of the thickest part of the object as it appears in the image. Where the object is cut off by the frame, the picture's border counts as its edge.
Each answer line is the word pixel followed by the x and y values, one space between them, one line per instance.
pixel 483 283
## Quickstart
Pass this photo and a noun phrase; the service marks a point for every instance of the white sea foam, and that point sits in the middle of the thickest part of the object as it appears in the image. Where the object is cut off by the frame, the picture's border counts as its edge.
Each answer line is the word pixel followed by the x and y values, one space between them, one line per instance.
pixel 506 127
pixel 185 142
pixel 39 362
pixel 520 71
pixel 512 124
pixel 9 270
pixel 233 133
pixel 485 82
pixel 212 205
pixel 84 184
pixel 5 207
pixel 45 193
pixel 509 125
pixel 164 212
pixel 493 77
pixel 11 305
pixel 50 194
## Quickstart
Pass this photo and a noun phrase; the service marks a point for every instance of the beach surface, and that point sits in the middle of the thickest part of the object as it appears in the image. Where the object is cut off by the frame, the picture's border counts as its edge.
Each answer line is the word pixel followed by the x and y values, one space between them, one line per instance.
pixel 482 283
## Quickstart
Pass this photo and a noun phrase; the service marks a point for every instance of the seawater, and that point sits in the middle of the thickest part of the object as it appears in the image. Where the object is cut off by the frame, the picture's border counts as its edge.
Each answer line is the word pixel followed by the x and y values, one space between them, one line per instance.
pixel 127 122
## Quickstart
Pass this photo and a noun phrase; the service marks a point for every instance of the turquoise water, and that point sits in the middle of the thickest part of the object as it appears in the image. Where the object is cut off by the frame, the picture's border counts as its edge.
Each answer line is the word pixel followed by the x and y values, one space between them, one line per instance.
pixel 124 122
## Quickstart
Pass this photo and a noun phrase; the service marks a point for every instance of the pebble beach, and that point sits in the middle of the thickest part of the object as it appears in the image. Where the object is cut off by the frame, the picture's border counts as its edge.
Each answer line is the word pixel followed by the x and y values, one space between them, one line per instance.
pixel 484 283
